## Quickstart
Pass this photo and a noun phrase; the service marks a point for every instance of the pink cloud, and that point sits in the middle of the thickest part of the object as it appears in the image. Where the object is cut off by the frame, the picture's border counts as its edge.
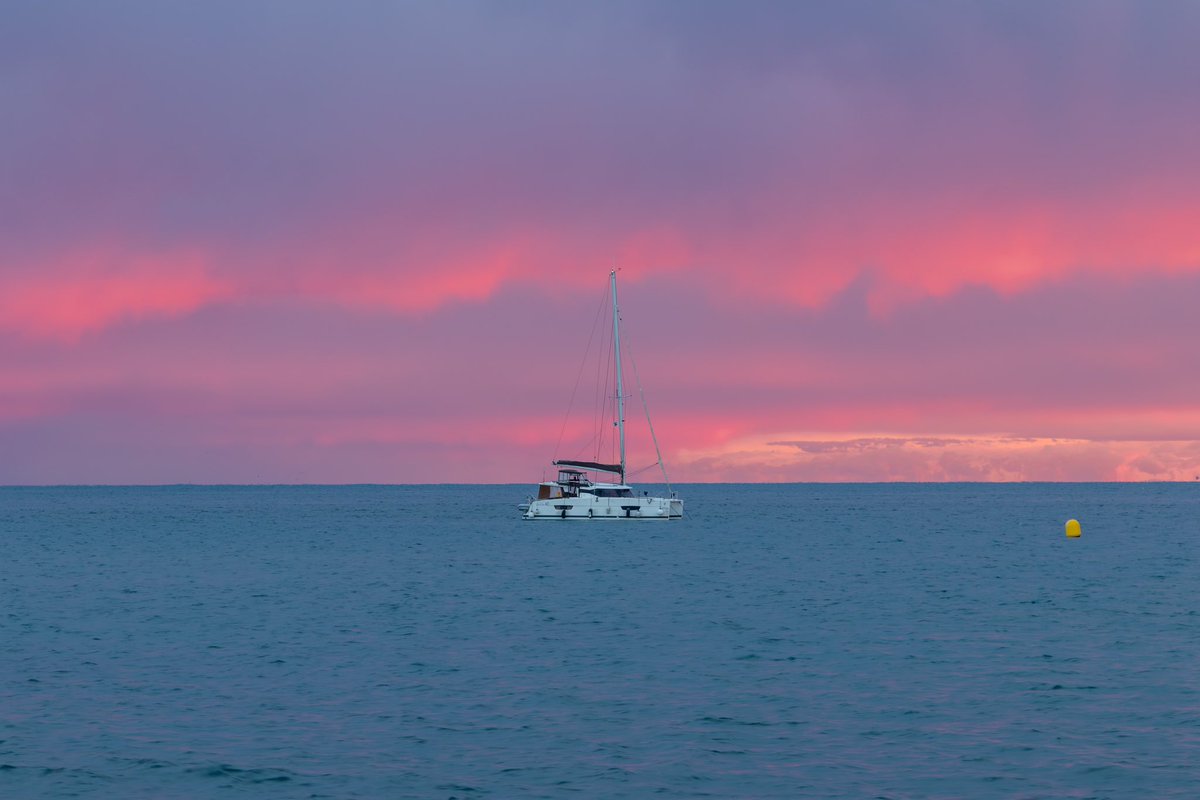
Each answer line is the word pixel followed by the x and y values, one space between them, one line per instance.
pixel 87 291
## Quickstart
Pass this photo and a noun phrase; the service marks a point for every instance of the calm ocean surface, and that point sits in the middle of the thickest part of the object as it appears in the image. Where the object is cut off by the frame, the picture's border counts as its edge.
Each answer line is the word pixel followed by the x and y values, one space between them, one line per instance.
pixel 851 641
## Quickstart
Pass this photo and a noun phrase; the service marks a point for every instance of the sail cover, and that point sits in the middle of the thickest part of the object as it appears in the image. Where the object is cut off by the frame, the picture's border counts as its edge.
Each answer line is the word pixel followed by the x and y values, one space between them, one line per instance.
pixel 591 465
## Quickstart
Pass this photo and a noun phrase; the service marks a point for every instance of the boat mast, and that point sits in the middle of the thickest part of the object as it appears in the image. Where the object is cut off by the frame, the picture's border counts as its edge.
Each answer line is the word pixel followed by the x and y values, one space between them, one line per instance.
pixel 617 351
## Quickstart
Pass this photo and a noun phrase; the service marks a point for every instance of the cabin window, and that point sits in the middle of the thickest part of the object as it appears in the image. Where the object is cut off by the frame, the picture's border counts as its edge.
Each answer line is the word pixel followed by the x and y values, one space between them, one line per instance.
pixel 614 492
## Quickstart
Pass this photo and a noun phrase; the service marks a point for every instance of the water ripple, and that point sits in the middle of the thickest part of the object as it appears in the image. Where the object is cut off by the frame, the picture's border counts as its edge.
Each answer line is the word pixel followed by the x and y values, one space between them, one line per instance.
pixel 844 641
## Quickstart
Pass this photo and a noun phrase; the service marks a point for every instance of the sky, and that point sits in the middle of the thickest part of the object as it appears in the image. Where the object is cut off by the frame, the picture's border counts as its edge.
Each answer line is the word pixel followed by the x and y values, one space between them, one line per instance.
pixel 311 242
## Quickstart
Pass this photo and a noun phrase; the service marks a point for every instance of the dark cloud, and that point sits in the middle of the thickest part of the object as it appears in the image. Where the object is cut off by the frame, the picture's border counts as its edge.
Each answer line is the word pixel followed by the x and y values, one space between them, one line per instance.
pixel 236 123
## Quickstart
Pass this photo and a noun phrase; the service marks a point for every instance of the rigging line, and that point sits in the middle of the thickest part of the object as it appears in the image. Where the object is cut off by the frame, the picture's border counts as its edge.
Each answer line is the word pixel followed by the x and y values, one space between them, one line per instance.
pixel 640 470
pixel 598 400
pixel 596 381
pixel 602 399
pixel 579 377
pixel 646 408
pixel 583 452
pixel 613 401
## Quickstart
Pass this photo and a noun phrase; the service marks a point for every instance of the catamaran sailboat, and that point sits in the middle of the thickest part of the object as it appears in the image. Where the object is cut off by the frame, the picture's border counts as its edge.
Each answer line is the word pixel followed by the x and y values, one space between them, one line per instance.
pixel 575 496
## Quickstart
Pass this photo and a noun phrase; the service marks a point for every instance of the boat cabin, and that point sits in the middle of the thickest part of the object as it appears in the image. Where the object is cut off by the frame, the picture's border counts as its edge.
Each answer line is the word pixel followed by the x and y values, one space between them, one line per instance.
pixel 574 482
pixel 571 481
pixel 609 491
pixel 569 484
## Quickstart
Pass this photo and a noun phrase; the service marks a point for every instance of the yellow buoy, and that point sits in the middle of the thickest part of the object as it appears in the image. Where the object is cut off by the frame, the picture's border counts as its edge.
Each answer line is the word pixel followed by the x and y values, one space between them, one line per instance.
pixel 1073 529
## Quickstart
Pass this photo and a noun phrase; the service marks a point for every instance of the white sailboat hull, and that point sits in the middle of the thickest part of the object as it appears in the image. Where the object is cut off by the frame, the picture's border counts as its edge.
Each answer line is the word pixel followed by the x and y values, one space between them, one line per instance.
pixel 611 508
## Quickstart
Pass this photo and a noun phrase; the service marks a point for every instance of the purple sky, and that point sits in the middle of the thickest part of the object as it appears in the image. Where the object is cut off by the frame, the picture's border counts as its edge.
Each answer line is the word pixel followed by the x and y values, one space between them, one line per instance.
pixel 315 242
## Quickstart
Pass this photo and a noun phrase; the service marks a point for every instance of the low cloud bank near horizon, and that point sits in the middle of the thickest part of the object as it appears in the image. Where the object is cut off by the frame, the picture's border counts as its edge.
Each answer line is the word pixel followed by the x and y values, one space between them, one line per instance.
pixel 959 459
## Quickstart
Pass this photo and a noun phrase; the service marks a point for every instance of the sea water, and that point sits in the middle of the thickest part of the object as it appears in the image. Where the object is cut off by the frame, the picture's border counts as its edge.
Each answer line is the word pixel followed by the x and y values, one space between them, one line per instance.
pixel 850 641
